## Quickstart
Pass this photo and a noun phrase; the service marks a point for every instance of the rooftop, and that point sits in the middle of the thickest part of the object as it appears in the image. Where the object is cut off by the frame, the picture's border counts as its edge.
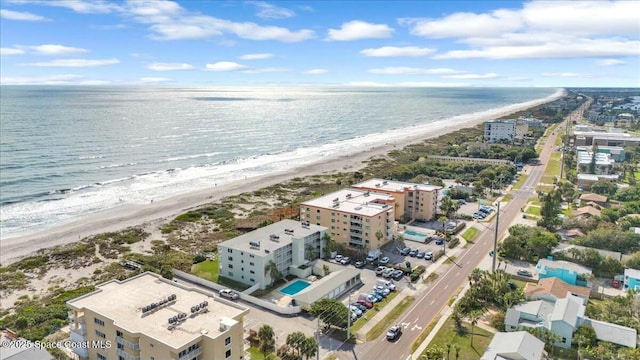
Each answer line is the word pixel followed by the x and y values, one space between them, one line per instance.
pixel 395 186
pixel 514 345
pixel 602 135
pixel 354 201
pixel 593 197
pixel 122 302
pixel 272 237
pixel 561 264
pixel 568 309
pixel 632 273
pixel 586 210
pixel 324 286
pixel 555 287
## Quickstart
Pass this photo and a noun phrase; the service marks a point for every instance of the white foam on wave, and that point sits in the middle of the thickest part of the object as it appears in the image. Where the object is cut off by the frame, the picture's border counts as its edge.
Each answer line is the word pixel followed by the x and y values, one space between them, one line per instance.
pixel 28 217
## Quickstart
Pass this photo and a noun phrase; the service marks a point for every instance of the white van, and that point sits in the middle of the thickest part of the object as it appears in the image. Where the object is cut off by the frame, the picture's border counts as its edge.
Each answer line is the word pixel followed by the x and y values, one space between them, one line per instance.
pixel 386 283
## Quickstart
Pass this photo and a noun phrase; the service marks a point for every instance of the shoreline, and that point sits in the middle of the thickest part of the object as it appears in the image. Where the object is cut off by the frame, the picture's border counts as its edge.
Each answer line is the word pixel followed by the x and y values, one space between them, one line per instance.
pixel 150 216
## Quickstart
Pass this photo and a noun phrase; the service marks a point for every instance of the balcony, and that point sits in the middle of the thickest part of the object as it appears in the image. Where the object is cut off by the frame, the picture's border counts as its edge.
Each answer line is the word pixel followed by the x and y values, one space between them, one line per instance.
pixel 78 330
pixel 126 355
pixel 76 317
pixel 82 353
pixel 129 344
pixel 356 225
pixel 191 354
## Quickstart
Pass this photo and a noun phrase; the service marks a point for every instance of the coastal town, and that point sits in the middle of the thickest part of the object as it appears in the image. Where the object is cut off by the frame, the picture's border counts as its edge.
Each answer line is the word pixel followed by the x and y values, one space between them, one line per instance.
pixel 518 238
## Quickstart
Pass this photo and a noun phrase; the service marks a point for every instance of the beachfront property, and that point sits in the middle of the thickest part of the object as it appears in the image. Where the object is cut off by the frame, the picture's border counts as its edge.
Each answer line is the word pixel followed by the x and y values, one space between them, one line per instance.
pixel 631 279
pixel 602 162
pixel 500 130
pixel 589 138
pixel 566 271
pixel 358 218
pixel 150 317
pixel 470 160
pixel 563 317
pixel 338 282
pixel 552 289
pixel 290 244
pixel 412 201
pixel 518 345
pixel 586 180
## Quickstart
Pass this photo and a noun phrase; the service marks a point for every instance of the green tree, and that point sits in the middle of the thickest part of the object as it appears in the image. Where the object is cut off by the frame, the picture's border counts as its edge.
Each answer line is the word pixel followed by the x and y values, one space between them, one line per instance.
pixel 329 245
pixel 266 336
pixel 309 347
pixel 331 312
pixel 604 187
pixel 584 336
pixel 272 269
pixel 379 235
pixel 474 317
pixel 295 341
pixel 550 210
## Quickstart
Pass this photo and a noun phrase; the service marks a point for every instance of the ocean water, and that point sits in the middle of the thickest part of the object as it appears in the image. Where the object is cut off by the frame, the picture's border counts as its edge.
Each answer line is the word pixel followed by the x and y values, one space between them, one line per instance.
pixel 70 152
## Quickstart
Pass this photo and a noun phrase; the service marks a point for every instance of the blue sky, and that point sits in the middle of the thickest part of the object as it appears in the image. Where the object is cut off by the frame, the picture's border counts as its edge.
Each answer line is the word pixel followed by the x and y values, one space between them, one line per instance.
pixel 384 43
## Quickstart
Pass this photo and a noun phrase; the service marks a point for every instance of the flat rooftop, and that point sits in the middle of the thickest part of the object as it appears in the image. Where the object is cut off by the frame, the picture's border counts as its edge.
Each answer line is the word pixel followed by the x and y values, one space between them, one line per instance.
pixel 353 201
pixel 395 186
pixel 285 230
pixel 122 302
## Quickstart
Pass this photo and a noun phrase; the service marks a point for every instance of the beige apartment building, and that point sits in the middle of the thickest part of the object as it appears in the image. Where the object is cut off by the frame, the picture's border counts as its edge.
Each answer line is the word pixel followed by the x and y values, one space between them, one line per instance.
pixel 353 217
pixel 416 201
pixel 148 317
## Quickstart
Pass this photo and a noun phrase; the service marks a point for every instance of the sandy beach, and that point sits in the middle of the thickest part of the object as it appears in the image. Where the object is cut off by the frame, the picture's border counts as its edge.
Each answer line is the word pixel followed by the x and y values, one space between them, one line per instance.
pixel 152 215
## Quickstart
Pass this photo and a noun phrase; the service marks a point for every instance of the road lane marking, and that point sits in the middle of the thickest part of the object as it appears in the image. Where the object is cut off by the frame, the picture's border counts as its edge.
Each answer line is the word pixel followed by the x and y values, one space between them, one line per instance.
pixel 432 301
pixel 446 286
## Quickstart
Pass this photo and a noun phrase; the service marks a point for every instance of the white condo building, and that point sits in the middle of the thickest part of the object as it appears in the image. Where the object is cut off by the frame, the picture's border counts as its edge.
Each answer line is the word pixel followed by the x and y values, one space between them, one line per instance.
pixel 498 130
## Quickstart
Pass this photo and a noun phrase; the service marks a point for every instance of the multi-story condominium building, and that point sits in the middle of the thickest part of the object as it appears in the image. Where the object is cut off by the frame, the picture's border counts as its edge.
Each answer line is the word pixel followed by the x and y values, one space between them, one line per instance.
pixel 588 138
pixel 498 130
pixel 603 162
pixel 288 243
pixel 149 317
pixel 412 201
pixel 354 217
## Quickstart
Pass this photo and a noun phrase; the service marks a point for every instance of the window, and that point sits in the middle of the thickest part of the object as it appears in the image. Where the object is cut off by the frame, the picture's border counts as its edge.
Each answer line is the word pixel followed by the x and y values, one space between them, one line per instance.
pixel 241 261
pixel 119 333
pixel 120 346
pixel 227 354
pixel 252 280
pixel 230 266
pixel 230 251
pixel 230 273
pixel 227 341
pixel 120 358
pixel 318 211
pixel 100 334
pixel 101 357
pixel 230 258
pixel 251 256
pixel 564 340
pixel 251 272
pixel 318 217
pixel 241 269
pixel 98 321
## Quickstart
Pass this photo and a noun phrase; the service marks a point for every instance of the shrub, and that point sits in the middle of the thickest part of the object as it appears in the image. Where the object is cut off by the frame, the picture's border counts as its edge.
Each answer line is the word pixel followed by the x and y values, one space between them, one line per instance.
pixel 454 242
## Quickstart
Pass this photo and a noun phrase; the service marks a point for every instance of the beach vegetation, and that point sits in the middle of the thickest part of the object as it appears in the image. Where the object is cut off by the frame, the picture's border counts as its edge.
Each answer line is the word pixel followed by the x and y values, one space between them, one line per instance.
pixel 528 243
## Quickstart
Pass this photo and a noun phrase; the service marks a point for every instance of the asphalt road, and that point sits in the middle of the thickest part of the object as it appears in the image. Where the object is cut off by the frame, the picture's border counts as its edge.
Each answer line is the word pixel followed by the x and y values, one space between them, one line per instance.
pixel 430 303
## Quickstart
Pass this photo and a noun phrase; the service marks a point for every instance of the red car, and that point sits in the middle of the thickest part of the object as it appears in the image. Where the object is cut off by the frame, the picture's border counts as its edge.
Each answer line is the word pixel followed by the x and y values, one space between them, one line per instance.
pixel 364 302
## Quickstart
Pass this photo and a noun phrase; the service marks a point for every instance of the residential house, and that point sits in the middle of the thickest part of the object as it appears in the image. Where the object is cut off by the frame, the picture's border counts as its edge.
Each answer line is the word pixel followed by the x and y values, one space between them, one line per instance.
pixel 631 279
pixel 586 211
pixel 563 317
pixel 518 345
pixel 586 180
pixel 598 199
pixel 552 289
pixel 568 272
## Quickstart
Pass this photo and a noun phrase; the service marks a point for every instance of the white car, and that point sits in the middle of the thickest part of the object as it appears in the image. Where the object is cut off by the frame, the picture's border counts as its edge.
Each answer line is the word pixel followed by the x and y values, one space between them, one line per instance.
pixel 229 294
pixel 383 289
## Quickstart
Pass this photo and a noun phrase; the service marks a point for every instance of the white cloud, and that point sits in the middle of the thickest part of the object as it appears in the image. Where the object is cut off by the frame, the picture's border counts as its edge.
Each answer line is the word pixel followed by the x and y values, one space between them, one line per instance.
pixel 266 70
pixel 53 49
pixel 153 80
pixel 539 29
pixel 356 30
pixel 76 63
pixel 401 70
pixel 472 76
pixel 83 7
pixel 159 66
pixel 611 62
pixel 269 11
pixel 562 74
pixel 391 51
pixel 40 80
pixel 316 71
pixel 225 66
pixel 21 16
pixel 255 56
pixel 367 84
pixel 10 51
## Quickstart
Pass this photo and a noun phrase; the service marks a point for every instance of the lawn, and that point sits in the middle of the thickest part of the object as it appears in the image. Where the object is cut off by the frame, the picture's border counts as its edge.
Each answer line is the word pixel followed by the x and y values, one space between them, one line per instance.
pixel 520 182
pixel 255 353
pixel 534 201
pixel 553 168
pixel 558 140
pixel 470 234
pixel 207 269
pixel 533 210
pixel 507 197
pixel 547 179
pixel 449 335
pixel 544 188
pixel 390 318
pixel 423 335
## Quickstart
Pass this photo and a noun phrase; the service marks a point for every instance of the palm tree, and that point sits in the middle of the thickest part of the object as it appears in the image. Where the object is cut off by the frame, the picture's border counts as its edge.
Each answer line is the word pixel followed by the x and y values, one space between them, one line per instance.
pixel 457 348
pixel 338 183
pixel 309 347
pixel 309 252
pixel 474 317
pixel 267 341
pixel 272 270
pixel 329 245
pixel 448 350
pixel 296 340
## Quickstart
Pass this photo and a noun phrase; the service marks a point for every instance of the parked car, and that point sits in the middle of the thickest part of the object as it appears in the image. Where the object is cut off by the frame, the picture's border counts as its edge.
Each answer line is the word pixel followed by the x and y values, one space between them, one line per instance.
pixel 388 284
pixel 359 306
pixel 338 258
pixel 355 310
pixel 377 296
pixel 345 260
pixel 413 252
pixel 523 272
pixel 405 251
pixel 439 241
pixel 387 272
pixel 383 290
pixel 229 294
pixel 420 255
pixel 384 261
pixel 359 264
pixel 365 303
pixel 380 270
pixel 372 299
pixel 428 255
pixel 397 275
pixel 394 332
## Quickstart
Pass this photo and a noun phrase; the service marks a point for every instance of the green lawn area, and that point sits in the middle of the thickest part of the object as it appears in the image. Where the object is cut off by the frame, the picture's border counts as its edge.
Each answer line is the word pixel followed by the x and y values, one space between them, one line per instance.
pixel 470 234
pixel 553 168
pixel 390 318
pixel 534 201
pixel 547 179
pixel 449 335
pixel 533 210
pixel 558 140
pixel 372 312
pixel 507 197
pixel 520 182
pixel 207 269
pixel 556 156
pixel 423 335
pixel 255 353
pixel 544 188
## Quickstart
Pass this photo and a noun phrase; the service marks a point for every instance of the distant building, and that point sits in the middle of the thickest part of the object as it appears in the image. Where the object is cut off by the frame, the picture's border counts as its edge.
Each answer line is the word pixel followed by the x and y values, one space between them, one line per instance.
pixel 596 198
pixel 568 272
pixel 586 211
pixel 586 180
pixel 552 289
pixel 288 243
pixel 518 345
pixel 631 279
pixel 522 129
pixel 603 162
pixel 353 217
pixel 149 317
pixel 416 201
pixel 470 160
pixel 589 138
pixel 617 153
pixel 500 130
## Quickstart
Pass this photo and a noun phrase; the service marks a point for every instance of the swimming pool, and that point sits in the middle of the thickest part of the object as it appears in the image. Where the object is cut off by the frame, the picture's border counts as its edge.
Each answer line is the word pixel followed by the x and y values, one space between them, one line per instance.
pixel 415 236
pixel 295 287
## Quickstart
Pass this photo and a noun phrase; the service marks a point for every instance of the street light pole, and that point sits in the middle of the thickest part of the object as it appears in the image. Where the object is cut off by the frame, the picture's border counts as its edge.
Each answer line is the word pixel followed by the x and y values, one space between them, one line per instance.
pixel 349 319
pixel 495 240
